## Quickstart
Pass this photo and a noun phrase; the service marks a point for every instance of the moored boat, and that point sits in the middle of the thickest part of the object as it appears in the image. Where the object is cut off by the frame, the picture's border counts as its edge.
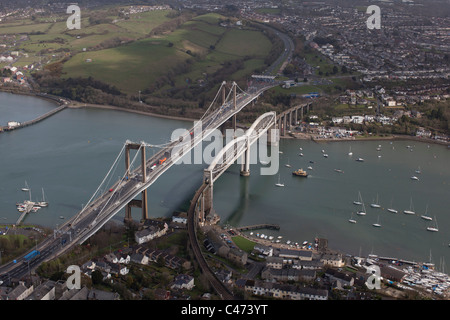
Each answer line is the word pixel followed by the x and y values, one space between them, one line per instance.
pixel 411 210
pixel 300 173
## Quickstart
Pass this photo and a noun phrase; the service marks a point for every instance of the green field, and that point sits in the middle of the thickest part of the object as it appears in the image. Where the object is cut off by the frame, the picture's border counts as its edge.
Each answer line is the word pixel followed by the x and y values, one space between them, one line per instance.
pixel 121 50
pixel 130 68
pixel 136 66
pixel 244 244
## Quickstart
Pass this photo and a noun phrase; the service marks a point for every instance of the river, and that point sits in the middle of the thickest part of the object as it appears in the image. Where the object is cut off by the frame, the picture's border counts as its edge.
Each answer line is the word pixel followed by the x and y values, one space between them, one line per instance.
pixel 69 154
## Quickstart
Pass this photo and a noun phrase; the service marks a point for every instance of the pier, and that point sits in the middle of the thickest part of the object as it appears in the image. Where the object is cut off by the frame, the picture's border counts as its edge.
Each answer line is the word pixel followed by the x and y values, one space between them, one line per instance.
pixel 34 121
pixel 28 208
pixel 259 226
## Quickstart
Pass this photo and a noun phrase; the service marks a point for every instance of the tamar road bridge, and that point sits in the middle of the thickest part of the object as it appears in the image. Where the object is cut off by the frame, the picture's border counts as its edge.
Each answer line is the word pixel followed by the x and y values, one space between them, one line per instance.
pixel 108 200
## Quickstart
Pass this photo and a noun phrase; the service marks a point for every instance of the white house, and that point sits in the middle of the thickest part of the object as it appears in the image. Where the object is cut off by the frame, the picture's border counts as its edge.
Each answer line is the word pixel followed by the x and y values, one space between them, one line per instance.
pixel 183 281
pixel 150 233
pixel 358 119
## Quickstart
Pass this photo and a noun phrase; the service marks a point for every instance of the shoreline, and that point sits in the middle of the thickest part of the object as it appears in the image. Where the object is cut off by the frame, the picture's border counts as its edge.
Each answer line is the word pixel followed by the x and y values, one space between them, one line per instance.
pixel 78 105
pixel 299 136
pixel 389 138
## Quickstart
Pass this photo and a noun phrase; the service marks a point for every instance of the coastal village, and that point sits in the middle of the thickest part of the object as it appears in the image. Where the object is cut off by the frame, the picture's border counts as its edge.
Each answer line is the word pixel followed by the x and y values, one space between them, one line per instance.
pixel 264 268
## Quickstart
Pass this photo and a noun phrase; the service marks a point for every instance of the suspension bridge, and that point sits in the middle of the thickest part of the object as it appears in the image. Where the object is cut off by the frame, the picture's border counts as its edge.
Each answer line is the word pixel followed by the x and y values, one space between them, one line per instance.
pixel 107 201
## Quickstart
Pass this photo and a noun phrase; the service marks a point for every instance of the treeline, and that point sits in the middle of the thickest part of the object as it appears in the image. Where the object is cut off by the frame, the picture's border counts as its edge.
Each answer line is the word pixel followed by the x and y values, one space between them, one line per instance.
pixel 171 25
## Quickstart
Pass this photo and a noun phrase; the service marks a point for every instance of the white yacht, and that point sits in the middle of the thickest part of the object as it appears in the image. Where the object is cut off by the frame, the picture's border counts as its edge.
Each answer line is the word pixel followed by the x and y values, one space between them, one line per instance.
pixel 411 209
pixel 435 228
pixel 414 178
pixel 363 211
pixel 279 184
pixel 42 203
pixel 425 216
pixel 378 225
pixel 26 187
pixel 358 202
pixel 375 205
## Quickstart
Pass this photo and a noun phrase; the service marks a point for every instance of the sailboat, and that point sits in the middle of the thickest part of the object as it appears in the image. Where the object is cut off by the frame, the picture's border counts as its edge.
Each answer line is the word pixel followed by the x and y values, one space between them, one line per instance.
pixel 411 209
pixel 378 225
pixel 425 216
pixel 358 202
pixel 350 151
pixel 375 205
pixel 26 202
pixel 351 220
pixel 287 164
pixel 279 184
pixel 392 210
pixel 26 188
pixel 43 203
pixel 435 228
pixel 418 171
pixel 363 211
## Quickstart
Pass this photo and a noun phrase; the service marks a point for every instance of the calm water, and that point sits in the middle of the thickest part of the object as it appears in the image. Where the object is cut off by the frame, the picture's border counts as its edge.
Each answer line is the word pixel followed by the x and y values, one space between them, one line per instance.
pixel 69 154
pixel 321 204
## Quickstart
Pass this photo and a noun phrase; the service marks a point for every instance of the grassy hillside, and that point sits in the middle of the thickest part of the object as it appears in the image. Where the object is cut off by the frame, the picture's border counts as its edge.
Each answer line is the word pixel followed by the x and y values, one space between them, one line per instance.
pixel 202 41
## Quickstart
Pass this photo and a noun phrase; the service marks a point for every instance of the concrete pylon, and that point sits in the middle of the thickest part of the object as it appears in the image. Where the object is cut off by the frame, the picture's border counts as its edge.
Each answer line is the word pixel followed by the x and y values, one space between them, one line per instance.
pixel 207 197
pixel 143 201
pixel 245 166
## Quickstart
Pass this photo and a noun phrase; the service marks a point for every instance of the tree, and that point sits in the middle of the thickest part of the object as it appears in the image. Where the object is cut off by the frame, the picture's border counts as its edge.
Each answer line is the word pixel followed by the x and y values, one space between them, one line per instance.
pixel 97 277
pixel 335 70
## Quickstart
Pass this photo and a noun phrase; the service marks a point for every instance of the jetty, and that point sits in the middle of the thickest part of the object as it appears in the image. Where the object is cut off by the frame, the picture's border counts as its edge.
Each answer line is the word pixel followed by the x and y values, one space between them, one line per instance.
pixel 34 121
pixel 28 208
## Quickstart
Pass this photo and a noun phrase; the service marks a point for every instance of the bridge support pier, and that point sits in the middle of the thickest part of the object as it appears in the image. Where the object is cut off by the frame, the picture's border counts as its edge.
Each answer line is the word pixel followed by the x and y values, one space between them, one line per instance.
pixel 245 166
pixel 143 202
pixel 207 196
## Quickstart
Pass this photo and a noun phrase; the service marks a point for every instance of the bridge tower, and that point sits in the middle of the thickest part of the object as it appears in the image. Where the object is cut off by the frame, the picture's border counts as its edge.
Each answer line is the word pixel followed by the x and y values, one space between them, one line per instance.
pixel 245 165
pixel 143 175
pixel 207 196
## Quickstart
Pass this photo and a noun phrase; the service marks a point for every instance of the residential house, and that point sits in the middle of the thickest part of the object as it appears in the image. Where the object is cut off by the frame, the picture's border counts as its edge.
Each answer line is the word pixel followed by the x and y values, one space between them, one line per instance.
pixel 139 258
pixel 95 294
pixel 237 256
pixel 118 269
pixel 305 255
pixel 340 279
pixel 45 291
pixel 264 250
pixel 284 291
pixel 151 232
pixel 332 259
pixel 20 292
pixel 183 281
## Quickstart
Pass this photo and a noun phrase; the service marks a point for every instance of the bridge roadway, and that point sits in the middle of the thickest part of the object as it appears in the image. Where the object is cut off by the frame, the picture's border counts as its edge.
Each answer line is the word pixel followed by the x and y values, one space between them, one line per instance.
pixel 94 215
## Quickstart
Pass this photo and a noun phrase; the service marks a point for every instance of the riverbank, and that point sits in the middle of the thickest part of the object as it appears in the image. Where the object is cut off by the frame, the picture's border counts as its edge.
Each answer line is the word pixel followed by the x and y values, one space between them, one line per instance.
pixel 304 136
pixel 78 105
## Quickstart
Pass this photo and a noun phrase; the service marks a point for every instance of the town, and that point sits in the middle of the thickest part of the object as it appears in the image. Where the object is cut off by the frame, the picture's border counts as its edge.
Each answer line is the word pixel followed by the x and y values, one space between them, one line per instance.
pixel 249 264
